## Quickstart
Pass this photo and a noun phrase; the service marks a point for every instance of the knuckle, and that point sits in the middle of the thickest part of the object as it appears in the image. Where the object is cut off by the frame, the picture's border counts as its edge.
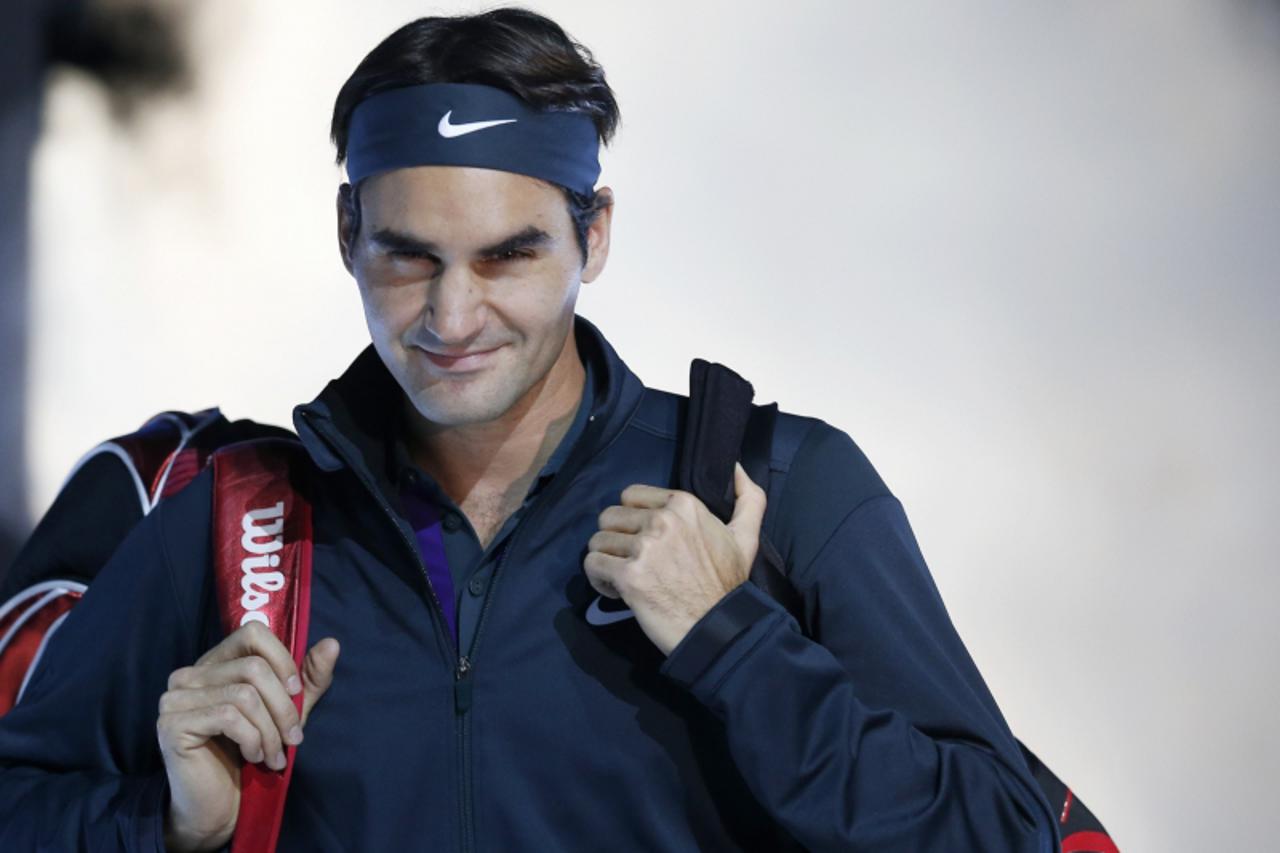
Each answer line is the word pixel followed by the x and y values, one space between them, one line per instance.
pixel 680 501
pixel 228 716
pixel 178 677
pixel 253 628
pixel 257 668
pixel 250 740
pixel 242 695
pixel 645 542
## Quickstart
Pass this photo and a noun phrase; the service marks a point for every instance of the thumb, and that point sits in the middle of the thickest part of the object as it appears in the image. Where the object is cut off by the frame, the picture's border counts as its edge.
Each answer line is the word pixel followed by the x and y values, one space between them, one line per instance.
pixel 748 512
pixel 317 673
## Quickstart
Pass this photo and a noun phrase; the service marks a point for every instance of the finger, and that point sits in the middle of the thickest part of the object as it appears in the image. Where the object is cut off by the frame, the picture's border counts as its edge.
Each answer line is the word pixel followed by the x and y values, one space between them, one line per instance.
pixel 748 511
pixel 317 673
pixel 743 485
pixel 640 495
pixel 183 731
pixel 254 638
pixel 603 572
pixel 252 671
pixel 624 519
pixel 249 702
pixel 612 542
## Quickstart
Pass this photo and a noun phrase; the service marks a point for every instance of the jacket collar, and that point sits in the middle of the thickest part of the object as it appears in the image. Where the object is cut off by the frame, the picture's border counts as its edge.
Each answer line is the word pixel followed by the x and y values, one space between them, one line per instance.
pixel 347 424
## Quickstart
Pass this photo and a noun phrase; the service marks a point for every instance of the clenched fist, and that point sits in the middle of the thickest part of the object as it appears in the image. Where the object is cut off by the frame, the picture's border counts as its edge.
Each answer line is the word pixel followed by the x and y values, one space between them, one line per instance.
pixel 233 704
pixel 669 557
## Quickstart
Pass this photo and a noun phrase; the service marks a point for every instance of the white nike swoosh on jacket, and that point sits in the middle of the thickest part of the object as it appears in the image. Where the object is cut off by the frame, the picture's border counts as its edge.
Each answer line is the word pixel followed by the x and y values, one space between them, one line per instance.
pixel 596 616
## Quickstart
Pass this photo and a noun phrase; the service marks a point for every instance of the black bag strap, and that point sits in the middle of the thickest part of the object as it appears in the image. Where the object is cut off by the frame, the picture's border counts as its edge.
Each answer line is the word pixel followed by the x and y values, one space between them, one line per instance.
pixel 721 427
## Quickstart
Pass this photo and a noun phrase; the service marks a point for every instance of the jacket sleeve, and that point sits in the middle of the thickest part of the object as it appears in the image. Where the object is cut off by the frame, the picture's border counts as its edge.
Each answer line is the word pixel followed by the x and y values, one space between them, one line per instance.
pixel 879 732
pixel 80 765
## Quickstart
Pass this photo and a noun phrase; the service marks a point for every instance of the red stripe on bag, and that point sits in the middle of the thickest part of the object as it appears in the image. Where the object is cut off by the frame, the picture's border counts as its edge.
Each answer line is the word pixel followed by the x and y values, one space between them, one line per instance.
pixel 262 572
pixel 22 632
pixel 182 467
pixel 1089 842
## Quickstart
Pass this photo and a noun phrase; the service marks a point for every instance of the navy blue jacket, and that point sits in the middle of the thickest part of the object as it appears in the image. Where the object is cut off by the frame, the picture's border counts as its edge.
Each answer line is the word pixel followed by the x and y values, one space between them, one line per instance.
pixel 878 734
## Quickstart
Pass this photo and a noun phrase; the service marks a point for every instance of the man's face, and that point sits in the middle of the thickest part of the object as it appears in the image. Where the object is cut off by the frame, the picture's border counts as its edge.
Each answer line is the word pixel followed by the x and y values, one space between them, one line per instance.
pixel 480 263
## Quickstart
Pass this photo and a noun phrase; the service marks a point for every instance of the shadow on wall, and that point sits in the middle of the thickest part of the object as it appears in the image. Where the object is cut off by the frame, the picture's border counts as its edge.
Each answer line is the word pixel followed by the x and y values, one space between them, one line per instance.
pixel 134 49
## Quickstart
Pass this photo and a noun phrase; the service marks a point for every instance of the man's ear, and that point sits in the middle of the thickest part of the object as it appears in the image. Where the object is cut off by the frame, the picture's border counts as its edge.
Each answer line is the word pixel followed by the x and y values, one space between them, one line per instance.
pixel 347 217
pixel 598 235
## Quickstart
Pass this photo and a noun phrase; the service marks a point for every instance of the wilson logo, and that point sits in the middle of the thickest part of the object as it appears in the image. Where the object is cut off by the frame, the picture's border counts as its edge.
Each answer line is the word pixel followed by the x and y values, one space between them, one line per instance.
pixel 263 538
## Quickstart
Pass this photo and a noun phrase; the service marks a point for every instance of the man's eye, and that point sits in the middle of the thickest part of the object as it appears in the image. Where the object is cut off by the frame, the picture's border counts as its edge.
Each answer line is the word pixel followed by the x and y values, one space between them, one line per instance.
pixel 513 255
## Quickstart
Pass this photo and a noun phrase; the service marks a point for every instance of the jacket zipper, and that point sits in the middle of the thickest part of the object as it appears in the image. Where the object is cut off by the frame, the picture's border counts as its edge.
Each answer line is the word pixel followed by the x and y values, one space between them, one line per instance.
pixel 462 704
pixel 440 622
pixel 465 665
pixel 462 665
pixel 462 685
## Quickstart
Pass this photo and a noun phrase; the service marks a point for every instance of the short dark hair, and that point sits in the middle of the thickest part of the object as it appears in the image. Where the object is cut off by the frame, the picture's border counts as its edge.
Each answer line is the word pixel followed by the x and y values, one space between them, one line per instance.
pixel 511 48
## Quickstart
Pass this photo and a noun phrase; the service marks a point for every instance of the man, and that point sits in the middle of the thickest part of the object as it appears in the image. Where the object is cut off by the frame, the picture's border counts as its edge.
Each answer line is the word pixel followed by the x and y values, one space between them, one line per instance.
pixel 484 473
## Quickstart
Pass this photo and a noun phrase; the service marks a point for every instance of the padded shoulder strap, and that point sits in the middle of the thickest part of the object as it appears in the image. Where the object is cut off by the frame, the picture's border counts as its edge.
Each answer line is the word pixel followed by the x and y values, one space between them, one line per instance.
pixel 720 428
pixel 711 436
pixel 262 573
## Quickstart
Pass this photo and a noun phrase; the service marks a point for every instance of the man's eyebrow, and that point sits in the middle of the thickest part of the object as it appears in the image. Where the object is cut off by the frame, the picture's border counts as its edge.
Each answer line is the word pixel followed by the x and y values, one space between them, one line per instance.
pixel 398 241
pixel 529 237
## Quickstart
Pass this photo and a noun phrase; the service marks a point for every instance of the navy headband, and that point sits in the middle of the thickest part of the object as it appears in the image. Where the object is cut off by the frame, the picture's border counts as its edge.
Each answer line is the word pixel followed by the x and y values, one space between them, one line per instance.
pixel 467 124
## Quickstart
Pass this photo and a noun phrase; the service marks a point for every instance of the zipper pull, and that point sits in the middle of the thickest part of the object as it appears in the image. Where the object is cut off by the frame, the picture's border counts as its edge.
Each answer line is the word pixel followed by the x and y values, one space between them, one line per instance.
pixel 462 685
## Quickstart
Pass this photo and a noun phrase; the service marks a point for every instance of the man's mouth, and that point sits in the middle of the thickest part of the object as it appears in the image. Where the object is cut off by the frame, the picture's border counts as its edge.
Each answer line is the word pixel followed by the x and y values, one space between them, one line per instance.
pixel 461 362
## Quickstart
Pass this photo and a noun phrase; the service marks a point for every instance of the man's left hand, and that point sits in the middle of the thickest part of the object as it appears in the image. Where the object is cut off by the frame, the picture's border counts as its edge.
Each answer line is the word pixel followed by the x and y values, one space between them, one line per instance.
pixel 669 558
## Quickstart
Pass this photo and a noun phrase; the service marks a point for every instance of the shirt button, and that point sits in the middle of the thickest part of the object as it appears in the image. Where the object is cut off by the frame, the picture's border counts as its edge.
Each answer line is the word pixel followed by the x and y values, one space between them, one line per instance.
pixel 477 584
pixel 451 521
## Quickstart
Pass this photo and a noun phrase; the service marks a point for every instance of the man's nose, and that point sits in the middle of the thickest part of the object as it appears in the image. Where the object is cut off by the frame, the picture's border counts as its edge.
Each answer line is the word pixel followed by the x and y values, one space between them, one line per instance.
pixel 455 307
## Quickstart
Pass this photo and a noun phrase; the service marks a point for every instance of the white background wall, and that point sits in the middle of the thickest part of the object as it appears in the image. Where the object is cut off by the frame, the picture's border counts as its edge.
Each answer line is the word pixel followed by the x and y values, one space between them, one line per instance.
pixel 1024 253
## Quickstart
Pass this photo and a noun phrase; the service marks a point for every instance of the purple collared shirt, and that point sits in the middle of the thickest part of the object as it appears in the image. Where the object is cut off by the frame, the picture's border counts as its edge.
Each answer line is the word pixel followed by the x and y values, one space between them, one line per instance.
pixel 446 541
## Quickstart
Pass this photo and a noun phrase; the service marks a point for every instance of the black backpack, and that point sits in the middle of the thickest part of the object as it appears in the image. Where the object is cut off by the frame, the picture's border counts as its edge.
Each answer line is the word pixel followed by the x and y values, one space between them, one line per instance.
pixel 722 427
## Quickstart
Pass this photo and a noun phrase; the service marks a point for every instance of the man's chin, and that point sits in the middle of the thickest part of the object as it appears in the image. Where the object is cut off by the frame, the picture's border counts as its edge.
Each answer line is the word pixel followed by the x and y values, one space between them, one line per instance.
pixel 446 406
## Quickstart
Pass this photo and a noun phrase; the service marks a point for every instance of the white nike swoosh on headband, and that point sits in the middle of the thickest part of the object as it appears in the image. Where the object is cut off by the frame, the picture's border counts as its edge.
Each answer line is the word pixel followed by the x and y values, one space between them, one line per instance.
pixel 448 131
pixel 596 616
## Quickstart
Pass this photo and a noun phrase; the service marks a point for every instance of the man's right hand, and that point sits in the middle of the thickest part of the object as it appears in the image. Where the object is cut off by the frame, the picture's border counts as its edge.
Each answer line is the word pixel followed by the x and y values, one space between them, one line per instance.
pixel 237 698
